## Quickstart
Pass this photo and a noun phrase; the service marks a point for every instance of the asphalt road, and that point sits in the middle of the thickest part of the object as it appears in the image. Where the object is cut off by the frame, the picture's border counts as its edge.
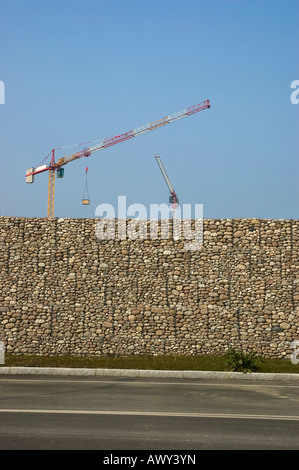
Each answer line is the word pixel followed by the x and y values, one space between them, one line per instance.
pixel 118 413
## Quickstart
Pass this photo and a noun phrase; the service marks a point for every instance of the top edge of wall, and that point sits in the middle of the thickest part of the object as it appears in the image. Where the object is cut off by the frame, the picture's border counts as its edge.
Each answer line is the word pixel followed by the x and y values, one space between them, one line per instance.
pixel 62 219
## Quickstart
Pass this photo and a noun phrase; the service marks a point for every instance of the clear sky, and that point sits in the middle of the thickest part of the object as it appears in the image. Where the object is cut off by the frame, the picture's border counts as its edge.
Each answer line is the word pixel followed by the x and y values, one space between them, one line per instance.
pixel 77 71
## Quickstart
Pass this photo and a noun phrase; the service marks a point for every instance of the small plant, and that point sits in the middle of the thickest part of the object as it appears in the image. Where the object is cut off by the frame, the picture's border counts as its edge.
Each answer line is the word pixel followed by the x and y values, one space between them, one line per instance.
pixel 241 362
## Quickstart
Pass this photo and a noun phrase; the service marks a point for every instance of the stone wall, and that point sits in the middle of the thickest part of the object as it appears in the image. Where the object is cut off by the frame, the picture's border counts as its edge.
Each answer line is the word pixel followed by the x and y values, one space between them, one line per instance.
pixel 64 291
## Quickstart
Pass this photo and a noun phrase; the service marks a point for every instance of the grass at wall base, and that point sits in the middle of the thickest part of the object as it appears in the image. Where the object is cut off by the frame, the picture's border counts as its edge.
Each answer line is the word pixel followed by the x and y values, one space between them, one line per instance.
pixel 230 361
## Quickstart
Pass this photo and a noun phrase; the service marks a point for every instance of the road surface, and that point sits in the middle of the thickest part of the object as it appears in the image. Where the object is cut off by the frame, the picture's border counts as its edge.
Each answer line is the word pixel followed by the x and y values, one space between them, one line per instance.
pixel 119 413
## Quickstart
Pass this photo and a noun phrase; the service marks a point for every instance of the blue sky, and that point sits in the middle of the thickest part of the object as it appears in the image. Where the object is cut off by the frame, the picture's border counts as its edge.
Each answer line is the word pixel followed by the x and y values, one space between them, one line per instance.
pixel 76 71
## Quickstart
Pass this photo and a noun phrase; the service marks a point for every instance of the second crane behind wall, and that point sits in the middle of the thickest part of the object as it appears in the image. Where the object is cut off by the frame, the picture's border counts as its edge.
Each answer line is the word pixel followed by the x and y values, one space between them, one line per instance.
pixel 173 197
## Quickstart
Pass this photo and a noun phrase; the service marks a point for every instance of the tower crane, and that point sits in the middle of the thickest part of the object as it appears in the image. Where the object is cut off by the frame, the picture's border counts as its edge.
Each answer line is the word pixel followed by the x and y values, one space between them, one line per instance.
pixel 57 166
pixel 173 197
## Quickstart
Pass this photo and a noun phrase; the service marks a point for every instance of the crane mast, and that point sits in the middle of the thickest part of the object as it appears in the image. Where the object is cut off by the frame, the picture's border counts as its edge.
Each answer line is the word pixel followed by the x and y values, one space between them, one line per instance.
pixel 108 142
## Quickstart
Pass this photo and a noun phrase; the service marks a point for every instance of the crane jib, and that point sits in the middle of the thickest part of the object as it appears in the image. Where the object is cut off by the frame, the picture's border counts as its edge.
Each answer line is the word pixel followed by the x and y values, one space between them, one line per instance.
pixel 151 126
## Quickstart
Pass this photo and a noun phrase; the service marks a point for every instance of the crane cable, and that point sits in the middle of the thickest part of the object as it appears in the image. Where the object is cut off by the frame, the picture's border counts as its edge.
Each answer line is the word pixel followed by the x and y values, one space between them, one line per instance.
pixel 86 191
